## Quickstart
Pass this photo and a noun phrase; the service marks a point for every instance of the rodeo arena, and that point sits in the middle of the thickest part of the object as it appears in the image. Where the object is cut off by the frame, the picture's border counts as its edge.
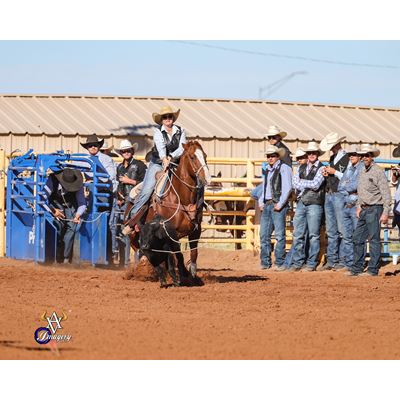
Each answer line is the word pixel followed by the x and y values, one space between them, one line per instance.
pixel 239 229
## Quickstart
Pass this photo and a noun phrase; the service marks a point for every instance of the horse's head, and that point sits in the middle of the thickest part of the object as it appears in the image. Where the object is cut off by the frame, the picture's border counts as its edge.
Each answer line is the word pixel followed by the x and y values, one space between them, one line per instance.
pixel 195 161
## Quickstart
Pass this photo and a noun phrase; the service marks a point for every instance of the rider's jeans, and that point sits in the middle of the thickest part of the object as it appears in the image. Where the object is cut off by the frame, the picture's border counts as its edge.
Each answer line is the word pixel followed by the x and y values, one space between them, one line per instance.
pixel 149 182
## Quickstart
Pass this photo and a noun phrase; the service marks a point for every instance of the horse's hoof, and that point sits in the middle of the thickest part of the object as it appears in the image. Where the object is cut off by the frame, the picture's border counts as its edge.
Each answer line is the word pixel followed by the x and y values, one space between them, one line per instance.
pixel 193 269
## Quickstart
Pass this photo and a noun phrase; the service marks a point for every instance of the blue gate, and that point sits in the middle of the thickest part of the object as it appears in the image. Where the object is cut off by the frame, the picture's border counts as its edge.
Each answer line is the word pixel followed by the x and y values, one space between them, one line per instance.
pixel 31 233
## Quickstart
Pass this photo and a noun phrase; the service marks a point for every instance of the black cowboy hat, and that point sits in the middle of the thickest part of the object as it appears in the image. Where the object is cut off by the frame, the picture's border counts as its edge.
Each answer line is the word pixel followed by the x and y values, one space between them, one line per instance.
pixel 92 139
pixel 396 151
pixel 70 179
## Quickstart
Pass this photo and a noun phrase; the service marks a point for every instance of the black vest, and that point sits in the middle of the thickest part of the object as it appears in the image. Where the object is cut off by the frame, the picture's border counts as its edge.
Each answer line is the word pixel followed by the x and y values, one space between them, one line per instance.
pixel 286 159
pixel 310 196
pixel 61 201
pixel 332 182
pixel 171 145
pixel 276 184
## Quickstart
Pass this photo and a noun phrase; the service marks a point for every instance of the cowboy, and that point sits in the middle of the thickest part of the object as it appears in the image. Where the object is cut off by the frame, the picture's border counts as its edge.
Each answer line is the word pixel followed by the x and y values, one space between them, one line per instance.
pixel 373 207
pixel 395 169
pixel 301 158
pixel 64 198
pixel 273 202
pixel 275 136
pixel 309 183
pixel 334 200
pixel 168 141
pixel 130 173
pixel 348 189
pixel 108 150
pixel 93 146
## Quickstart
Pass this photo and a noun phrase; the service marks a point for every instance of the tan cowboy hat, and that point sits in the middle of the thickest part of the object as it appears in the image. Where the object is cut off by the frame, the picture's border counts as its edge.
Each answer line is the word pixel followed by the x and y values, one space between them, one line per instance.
pixel 126 144
pixel 299 152
pixel 157 117
pixel 93 139
pixel 330 140
pixel 368 148
pixel 275 130
pixel 270 149
pixel 313 146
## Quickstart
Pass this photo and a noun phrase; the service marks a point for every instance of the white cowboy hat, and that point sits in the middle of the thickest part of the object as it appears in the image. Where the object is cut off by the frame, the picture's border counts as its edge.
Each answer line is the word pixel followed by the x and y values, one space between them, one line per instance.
pixel 299 152
pixel 157 117
pixel 330 140
pixel 107 147
pixel 126 144
pixel 270 149
pixel 313 146
pixel 354 148
pixel 275 130
pixel 368 148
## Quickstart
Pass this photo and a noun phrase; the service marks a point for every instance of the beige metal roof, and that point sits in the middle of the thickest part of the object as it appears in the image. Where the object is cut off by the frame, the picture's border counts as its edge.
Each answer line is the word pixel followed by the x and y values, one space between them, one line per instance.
pixel 205 118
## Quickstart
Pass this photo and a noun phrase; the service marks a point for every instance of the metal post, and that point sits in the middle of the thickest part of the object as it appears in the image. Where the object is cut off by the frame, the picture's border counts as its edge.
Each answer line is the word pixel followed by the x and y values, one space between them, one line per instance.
pixel 2 203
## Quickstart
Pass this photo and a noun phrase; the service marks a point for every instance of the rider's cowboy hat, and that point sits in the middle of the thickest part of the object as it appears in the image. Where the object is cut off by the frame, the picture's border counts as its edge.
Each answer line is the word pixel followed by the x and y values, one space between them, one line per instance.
pixel 313 146
pixel 274 130
pixel 368 148
pixel 299 152
pixel 157 117
pixel 70 179
pixel 126 145
pixel 91 140
pixel 270 149
pixel 330 140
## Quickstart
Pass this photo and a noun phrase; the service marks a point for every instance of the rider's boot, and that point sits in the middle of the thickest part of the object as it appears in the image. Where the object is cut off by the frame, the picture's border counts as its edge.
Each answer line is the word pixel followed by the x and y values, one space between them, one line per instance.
pixel 131 224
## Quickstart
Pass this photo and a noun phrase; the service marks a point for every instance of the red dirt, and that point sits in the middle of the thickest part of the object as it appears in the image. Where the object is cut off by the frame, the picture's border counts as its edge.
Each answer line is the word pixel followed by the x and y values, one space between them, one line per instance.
pixel 240 313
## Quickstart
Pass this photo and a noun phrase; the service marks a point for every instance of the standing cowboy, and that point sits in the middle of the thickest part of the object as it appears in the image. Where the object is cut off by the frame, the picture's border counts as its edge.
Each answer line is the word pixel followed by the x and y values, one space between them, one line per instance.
pixel 348 189
pixel 334 200
pixel 273 201
pixel 309 184
pixel 275 136
pixel 168 141
pixel 130 173
pixel 64 198
pixel 373 207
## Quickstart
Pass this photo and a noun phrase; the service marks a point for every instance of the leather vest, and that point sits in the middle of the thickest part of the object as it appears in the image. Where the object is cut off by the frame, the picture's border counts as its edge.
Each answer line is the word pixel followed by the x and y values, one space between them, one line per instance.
pixel 311 196
pixel 171 145
pixel 276 184
pixel 332 182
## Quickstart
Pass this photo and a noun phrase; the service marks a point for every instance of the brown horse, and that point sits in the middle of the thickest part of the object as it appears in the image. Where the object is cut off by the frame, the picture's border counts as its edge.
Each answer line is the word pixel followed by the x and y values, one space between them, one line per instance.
pixel 182 201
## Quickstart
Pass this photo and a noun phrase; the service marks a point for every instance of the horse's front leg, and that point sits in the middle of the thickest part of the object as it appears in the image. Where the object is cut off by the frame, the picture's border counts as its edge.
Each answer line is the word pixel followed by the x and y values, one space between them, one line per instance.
pixel 193 243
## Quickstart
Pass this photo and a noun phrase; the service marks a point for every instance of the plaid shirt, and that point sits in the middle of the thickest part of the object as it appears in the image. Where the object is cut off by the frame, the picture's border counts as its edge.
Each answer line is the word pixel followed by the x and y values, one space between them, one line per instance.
pixel 301 184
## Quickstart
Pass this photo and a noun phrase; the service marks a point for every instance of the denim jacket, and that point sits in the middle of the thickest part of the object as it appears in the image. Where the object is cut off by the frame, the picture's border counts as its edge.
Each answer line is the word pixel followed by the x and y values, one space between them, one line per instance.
pixel 349 181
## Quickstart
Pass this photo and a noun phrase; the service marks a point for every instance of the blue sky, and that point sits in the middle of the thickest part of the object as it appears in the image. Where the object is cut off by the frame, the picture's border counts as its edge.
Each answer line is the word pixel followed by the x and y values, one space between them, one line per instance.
pixel 167 68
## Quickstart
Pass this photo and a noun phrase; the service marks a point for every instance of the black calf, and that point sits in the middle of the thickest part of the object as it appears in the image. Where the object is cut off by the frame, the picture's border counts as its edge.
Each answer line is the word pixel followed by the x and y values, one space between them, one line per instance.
pixel 153 237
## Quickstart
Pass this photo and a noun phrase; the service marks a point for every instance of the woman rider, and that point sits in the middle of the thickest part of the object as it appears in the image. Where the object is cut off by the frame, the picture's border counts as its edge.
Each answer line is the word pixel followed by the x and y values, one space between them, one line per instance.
pixel 168 140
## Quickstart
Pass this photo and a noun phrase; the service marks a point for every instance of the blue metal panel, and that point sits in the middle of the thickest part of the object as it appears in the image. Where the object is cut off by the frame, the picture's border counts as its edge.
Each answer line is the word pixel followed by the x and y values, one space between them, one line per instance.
pixel 31 234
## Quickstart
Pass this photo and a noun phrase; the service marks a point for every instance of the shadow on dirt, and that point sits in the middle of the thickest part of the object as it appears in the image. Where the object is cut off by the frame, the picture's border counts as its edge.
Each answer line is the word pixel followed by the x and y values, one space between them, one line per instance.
pixel 208 278
pixel 13 344
pixel 394 273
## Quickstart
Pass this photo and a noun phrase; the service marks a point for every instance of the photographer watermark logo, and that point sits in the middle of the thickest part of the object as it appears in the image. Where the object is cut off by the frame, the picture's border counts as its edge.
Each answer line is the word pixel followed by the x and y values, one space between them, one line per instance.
pixel 43 335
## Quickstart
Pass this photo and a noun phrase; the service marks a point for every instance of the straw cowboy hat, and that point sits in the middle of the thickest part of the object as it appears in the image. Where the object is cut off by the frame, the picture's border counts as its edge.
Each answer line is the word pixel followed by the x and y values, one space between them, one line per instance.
pixel 330 140
pixel 91 140
pixel 126 145
pixel 313 146
pixel 157 117
pixel 107 147
pixel 368 148
pixel 270 149
pixel 299 152
pixel 275 130
pixel 70 179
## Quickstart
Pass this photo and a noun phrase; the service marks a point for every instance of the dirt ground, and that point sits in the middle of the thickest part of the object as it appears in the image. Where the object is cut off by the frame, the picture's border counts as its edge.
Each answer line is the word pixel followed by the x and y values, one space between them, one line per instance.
pixel 241 312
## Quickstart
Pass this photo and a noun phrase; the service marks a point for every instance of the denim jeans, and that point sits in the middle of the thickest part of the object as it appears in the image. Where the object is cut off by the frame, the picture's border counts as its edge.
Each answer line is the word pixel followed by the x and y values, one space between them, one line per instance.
pixel 149 182
pixel 113 224
pixel 289 255
pixel 349 225
pixel 368 227
pixel 66 234
pixel 306 218
pixel 123 243
pixel 273 221
pixel 334 206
